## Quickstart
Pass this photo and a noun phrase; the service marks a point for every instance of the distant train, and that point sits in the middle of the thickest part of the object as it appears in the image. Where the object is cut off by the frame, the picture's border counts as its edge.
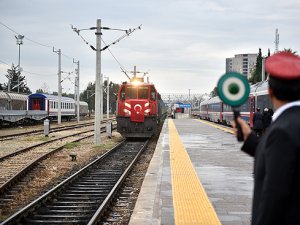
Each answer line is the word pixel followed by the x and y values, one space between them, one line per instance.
pixel 19 108
pixel 215 110
pixel 140 109
pixel 49 104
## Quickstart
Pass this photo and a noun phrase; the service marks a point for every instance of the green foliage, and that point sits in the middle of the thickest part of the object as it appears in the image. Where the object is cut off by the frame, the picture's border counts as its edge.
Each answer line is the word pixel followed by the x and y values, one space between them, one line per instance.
pixel 256 73
pixel 14 78
pixel 62 94
pixel 67 95
pixel 39 91
pixel 88 95
pixel 214 92
pixel 71 145
pixel 290 51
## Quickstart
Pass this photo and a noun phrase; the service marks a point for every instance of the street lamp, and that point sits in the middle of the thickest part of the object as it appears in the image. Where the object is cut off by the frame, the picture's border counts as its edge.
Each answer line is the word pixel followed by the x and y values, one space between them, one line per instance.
pixel 19 42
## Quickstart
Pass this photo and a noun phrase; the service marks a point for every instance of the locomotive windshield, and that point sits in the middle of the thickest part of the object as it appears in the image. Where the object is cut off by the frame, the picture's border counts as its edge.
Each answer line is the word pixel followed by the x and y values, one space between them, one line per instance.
pixel 143 92
pixel 131 92
pixel 140 92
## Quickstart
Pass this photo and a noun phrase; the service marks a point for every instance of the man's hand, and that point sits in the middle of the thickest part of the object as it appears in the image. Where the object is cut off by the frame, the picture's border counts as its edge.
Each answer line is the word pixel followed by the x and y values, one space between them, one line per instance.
pixel 246 130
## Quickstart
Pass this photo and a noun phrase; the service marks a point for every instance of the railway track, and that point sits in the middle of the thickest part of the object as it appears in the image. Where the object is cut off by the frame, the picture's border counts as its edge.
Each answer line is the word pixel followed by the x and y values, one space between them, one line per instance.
pixel 52 130
pixel 16 165
pixel 83 197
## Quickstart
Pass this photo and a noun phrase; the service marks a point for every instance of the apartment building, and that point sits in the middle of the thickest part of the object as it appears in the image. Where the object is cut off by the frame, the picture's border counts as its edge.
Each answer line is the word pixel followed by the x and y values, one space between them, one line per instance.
pixel 241 63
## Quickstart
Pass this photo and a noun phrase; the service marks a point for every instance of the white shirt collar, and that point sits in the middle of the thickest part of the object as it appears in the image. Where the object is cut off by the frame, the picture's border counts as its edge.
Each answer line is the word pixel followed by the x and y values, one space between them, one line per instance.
pixel 281 109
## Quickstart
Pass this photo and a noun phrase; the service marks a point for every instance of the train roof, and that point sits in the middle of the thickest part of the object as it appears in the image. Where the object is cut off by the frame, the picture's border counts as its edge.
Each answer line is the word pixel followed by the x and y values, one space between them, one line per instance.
pixel 215 99
pixel 51 97
pixel 13 96
pixel 137 83
pixel 260 87
pixel 3 95
pixel 83 103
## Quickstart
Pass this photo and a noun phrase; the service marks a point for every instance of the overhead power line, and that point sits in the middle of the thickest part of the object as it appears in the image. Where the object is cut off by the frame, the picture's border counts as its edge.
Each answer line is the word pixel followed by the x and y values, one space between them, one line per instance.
pixel 33 41
pixel 127 33
pixel 121 67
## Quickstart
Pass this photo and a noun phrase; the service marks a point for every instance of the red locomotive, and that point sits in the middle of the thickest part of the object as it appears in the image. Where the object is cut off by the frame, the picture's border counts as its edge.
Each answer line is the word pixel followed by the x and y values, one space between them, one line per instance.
pixel 140 109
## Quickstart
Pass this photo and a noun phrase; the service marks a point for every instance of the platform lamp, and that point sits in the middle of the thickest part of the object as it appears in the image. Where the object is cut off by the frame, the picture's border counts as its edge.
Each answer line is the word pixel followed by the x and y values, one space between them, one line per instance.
pixel 19 42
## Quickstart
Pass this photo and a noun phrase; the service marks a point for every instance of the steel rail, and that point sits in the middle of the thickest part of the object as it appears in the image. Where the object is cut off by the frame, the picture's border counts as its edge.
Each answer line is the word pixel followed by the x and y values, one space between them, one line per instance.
pixel 39 144
pixel 54 129
pixel 90 173
pixel 29 167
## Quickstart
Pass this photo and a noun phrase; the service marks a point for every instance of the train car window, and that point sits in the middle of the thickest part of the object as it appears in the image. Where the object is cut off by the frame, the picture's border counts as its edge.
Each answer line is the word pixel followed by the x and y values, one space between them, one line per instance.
pixel 215 107
pixel 152 93
pixel 226 108
pixel 131 92
pixel 143 92
pixel 263 101
pixel 246 106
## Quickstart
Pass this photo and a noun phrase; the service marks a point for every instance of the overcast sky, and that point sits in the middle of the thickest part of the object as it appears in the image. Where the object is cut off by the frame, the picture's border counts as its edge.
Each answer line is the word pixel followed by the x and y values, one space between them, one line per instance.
pixel 182 44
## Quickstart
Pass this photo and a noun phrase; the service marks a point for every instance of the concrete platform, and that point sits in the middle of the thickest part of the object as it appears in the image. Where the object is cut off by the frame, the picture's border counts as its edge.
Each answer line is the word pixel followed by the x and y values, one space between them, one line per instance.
pixel 223 170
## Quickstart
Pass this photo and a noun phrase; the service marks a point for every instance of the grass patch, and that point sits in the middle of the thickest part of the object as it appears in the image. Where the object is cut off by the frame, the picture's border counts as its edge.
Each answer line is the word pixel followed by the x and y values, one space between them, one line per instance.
pixel 71 145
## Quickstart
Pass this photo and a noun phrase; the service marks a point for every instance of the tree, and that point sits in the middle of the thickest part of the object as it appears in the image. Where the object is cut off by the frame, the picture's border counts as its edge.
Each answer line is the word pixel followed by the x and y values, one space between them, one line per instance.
pixel 15 79
pixel 67 95
pixel 256 73
pixel 214 92
pixel 290 51
pixel 88 95
pixel 113 93
pixel 41 91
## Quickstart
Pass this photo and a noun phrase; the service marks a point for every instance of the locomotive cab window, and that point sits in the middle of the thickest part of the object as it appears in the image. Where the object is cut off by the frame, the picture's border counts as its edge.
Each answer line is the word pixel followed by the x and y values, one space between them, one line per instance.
pixel 131 92
pixel 122 93
pixel 152 94
pixel 143 92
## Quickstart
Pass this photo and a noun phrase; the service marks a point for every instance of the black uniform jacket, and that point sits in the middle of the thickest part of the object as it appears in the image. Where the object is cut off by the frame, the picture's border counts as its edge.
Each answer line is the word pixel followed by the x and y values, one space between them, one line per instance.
pixel 258 121
pixel 276 199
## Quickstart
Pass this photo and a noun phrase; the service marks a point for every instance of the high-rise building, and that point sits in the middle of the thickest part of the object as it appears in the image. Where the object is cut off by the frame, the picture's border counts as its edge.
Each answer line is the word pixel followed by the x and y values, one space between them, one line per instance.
pixel 241 63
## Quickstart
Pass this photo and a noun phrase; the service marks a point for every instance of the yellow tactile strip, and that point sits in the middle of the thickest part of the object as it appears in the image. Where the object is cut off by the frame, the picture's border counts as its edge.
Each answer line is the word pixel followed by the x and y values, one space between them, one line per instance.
pixel 191 204
pixel 216 126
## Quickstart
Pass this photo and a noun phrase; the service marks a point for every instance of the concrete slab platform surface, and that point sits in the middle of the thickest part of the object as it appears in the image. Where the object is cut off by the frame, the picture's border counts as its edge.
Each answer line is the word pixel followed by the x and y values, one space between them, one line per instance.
pixel 224 171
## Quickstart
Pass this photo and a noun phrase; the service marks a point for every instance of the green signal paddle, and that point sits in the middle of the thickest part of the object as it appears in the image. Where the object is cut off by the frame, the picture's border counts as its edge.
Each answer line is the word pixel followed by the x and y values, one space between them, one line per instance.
pixel 233 89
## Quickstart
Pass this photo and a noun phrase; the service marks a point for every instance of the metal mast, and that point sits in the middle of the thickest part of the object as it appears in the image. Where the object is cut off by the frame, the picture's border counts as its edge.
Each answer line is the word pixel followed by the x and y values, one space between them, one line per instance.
pixel 97 139
pixel 276 40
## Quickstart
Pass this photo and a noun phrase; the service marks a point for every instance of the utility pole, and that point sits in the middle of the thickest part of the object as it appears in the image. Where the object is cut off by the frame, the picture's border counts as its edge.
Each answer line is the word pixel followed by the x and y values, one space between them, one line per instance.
pixel 276 40
pixel 97 139
pixel 107 98
pixel 77 89
pixel 19 42
pixel 59 86
pixel 98 83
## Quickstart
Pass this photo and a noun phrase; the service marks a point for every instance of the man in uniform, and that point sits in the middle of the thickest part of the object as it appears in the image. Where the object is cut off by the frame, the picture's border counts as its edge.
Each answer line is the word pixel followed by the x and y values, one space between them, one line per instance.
pixel 276 199
pixel 258 122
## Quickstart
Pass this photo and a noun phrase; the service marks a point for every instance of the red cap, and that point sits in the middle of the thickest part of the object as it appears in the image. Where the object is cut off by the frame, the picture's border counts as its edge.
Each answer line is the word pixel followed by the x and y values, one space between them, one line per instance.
pixel 283 65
